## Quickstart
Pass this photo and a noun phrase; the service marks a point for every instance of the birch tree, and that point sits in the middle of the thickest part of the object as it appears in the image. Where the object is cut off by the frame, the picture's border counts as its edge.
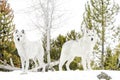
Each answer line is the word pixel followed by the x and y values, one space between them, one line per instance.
pixel 46 10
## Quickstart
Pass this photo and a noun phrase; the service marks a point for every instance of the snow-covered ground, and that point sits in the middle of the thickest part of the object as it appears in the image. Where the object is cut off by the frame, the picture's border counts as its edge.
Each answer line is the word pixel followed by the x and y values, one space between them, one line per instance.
pixel 58 75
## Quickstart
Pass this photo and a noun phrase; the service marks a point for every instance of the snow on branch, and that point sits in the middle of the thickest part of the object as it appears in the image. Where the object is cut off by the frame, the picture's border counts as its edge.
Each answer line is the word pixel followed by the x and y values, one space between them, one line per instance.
pixel 8 67
pixel 46 65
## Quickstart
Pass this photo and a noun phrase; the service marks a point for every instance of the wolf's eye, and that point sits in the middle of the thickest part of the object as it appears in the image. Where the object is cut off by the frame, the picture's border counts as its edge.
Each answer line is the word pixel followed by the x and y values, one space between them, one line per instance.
pixel 20 35
pixel 17 35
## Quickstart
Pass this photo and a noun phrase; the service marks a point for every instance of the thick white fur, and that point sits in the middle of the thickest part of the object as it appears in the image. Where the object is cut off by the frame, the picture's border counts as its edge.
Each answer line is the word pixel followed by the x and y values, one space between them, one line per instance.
pixel 81 48
pixel 28 50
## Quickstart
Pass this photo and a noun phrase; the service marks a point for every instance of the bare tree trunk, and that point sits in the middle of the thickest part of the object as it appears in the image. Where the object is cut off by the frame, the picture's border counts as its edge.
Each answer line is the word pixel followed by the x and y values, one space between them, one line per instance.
pixel 48 46
pixel 47 10
pixel 103 35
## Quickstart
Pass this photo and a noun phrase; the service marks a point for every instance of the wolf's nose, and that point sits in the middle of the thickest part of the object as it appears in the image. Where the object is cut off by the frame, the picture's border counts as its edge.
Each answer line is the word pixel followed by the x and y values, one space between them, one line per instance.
pixel 18 39
pixel 91 39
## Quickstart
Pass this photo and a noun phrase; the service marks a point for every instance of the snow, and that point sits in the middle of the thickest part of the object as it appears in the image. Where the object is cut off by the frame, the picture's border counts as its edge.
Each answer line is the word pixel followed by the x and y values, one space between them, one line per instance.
pixel 58 75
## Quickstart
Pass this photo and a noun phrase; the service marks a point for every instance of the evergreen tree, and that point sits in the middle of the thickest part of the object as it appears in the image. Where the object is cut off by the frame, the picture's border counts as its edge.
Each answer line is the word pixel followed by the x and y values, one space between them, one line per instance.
pixel 7 47
pixel 112 59
pixel 6 25
pixel 99 15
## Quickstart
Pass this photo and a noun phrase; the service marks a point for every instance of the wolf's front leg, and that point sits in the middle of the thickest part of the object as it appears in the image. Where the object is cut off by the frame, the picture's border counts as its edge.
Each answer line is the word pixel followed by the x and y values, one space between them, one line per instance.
pixel 89 63
pixel 22 63
pixel 26 65
pixel 84 63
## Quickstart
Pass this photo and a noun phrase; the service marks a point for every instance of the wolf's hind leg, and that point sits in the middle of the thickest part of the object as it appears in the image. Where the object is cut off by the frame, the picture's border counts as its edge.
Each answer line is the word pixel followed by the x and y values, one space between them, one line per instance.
pixel 61 63
pixel 68 63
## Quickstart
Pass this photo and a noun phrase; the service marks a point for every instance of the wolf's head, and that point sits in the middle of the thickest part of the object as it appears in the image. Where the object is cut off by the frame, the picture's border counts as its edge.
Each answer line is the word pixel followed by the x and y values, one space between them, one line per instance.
pixel 19 36
pixel 91 35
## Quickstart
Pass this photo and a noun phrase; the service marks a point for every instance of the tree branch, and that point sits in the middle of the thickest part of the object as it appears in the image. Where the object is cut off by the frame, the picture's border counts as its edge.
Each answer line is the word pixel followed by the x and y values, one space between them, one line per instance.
pixel 8 67
pixel 12 68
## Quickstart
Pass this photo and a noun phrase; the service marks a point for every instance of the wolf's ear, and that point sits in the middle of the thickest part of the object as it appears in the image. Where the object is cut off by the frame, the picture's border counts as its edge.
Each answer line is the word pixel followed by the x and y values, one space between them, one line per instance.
pixel 23 31
pixel 16 31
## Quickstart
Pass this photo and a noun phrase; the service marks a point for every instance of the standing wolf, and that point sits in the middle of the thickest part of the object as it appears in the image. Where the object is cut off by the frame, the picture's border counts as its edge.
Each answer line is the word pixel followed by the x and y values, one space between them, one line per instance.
pixel 28 50
pixel 81 48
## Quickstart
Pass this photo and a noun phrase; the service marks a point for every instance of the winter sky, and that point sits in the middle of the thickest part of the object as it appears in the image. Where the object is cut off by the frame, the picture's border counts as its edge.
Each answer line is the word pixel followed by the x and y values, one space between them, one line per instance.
pixel 72 15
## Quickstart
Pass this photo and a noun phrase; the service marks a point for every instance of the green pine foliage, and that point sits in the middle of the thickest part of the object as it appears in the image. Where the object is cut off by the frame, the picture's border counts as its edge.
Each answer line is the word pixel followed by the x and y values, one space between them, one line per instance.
pixel 108 63
pixel 112 60
pixel 6 25
pixel 7 47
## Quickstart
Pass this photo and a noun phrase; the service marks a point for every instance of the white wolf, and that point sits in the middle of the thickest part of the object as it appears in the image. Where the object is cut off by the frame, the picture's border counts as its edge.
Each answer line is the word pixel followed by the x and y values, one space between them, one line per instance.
pixel 81 48
pixel 28 50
